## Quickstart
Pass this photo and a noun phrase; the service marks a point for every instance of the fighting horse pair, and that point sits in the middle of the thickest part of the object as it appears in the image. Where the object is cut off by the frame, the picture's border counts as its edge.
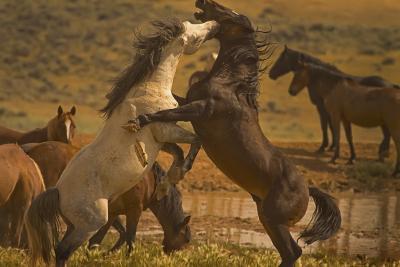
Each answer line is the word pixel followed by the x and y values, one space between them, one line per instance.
pixel 223 111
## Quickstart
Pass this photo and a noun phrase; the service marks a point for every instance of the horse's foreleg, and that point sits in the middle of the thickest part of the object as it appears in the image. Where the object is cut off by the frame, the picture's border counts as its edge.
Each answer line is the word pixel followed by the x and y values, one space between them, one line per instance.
pixel 171 133
pixel 323 117
pixel 189 112
pixel 132 220
pixel 98 237
pixel 181 100
pixel 349 136
pixel 122 234
pixel 385 145
pixel 335 120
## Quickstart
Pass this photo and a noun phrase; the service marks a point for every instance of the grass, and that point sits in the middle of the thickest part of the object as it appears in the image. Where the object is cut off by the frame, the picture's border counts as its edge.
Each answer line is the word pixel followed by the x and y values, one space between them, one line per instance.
pixel 221 255
pixel 369 174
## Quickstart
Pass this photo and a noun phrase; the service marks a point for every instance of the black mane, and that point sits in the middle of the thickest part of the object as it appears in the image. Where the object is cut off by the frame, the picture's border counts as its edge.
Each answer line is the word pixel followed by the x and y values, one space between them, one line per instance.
pixel 148 55
pixel 316 61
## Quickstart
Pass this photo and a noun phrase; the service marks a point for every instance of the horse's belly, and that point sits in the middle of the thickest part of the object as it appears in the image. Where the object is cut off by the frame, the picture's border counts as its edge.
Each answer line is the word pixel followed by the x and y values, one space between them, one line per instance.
pixel 364 117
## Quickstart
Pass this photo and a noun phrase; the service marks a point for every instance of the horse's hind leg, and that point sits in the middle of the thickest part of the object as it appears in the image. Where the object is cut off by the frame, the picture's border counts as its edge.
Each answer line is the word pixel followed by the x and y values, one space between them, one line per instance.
pixel 122 234
pixel 349 136
pixel 72 240
pixel 98 237
pixel 385 145
pixel 280 237
pixel 396 138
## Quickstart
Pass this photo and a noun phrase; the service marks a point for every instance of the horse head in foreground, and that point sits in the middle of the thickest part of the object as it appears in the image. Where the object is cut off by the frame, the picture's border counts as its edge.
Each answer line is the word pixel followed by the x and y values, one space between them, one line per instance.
pixel 118 159
pixel 223 111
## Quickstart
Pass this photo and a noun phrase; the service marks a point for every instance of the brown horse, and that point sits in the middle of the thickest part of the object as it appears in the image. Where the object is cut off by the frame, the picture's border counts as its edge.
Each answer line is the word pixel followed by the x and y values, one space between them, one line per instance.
pixel 20 182
pixel 52 158
pixel 223 111
pixel 349 102
pixel 168 211
pixel 290 61
pixel 60 128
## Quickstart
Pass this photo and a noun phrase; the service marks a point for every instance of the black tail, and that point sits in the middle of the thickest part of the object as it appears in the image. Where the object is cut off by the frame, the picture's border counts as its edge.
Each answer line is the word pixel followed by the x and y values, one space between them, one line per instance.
pixel 326 219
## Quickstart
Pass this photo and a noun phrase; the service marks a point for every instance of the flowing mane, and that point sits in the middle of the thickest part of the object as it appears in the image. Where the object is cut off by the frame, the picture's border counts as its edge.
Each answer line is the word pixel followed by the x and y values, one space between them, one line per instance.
pixel 149 48
pixel 316 61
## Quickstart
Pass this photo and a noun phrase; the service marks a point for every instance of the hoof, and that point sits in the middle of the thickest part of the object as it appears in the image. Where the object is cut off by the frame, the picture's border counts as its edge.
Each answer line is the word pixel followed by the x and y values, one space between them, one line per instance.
pixel 93 246
pixel 333 161
pixel 132 126
pixel 350 162
pixel 320 150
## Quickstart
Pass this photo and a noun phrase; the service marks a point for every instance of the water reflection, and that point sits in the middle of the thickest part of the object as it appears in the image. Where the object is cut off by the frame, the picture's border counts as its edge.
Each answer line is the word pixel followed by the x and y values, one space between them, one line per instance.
pixel 370 224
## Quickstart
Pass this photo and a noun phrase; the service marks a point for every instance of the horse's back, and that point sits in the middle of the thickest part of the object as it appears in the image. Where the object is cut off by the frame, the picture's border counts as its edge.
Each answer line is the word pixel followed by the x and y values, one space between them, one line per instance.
pixel 52 157
pixel 8 136
pixel 18 168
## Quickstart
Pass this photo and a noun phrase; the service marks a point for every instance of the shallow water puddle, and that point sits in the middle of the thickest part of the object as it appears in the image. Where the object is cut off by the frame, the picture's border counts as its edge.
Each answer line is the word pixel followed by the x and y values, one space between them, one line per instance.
pixel 370 223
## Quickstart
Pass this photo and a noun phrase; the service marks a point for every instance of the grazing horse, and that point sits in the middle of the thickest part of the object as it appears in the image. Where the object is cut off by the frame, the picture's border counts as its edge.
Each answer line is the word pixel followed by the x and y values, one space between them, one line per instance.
pixel 117 159
pixel 223 111
pixel 52 158
pixel 20 182
pixel 168 211
pixel 60 128
pixel 349 102
pixel 290 61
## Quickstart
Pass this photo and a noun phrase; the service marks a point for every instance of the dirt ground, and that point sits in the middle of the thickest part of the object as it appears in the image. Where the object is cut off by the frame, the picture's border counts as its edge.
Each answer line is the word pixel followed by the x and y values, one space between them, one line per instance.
pixel 367 175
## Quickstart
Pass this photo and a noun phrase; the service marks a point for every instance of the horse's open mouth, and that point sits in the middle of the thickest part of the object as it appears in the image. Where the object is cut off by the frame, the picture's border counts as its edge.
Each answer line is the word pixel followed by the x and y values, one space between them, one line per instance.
pixel 200 14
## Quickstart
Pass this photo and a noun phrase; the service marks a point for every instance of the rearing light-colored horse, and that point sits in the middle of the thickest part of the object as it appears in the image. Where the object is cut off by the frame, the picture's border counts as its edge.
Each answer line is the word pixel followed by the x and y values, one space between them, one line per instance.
pixel 117 159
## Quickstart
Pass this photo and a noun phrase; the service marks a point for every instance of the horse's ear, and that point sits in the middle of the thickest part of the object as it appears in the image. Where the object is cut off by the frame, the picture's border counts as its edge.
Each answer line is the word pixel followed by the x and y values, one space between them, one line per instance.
pixel 73 111
pixel 60 111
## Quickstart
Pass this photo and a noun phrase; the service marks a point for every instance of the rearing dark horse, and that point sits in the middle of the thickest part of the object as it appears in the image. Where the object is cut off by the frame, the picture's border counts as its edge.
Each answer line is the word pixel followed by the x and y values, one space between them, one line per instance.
pixel 222 109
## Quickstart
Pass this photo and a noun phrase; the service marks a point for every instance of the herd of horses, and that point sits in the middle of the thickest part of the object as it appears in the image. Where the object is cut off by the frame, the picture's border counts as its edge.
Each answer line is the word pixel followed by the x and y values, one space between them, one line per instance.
pixel 46 180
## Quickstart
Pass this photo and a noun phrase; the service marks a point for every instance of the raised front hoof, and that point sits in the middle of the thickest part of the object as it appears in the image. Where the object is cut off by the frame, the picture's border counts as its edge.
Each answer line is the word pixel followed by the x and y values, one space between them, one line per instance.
pixel 133 126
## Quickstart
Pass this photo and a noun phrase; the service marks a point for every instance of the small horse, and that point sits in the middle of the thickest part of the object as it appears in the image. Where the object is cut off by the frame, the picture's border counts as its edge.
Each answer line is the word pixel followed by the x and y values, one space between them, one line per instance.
pixel 349 102
pixel 168 211
pixel 60 128
pixel 52 158
pixel 223 111
pixel 118 159
pixel 20 182
pixel 290 61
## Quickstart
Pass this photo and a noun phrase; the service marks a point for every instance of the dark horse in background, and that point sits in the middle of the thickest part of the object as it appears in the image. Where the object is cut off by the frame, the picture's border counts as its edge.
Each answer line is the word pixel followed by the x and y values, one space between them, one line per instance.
pixel 290 61
pixel 223 111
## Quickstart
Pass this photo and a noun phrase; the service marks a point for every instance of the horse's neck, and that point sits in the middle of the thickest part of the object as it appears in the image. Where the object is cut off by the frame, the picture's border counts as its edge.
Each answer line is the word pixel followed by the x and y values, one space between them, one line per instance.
pixel 34 136
pixel 160 82
pixel 322 83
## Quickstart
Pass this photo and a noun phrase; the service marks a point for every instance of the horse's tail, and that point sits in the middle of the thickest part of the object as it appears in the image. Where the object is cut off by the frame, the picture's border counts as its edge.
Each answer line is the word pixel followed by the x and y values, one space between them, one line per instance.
pixel 326 219
pixel 43 226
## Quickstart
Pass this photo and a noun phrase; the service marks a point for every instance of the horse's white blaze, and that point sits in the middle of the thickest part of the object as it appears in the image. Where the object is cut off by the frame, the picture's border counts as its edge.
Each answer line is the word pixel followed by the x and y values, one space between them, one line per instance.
pixel 68 128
